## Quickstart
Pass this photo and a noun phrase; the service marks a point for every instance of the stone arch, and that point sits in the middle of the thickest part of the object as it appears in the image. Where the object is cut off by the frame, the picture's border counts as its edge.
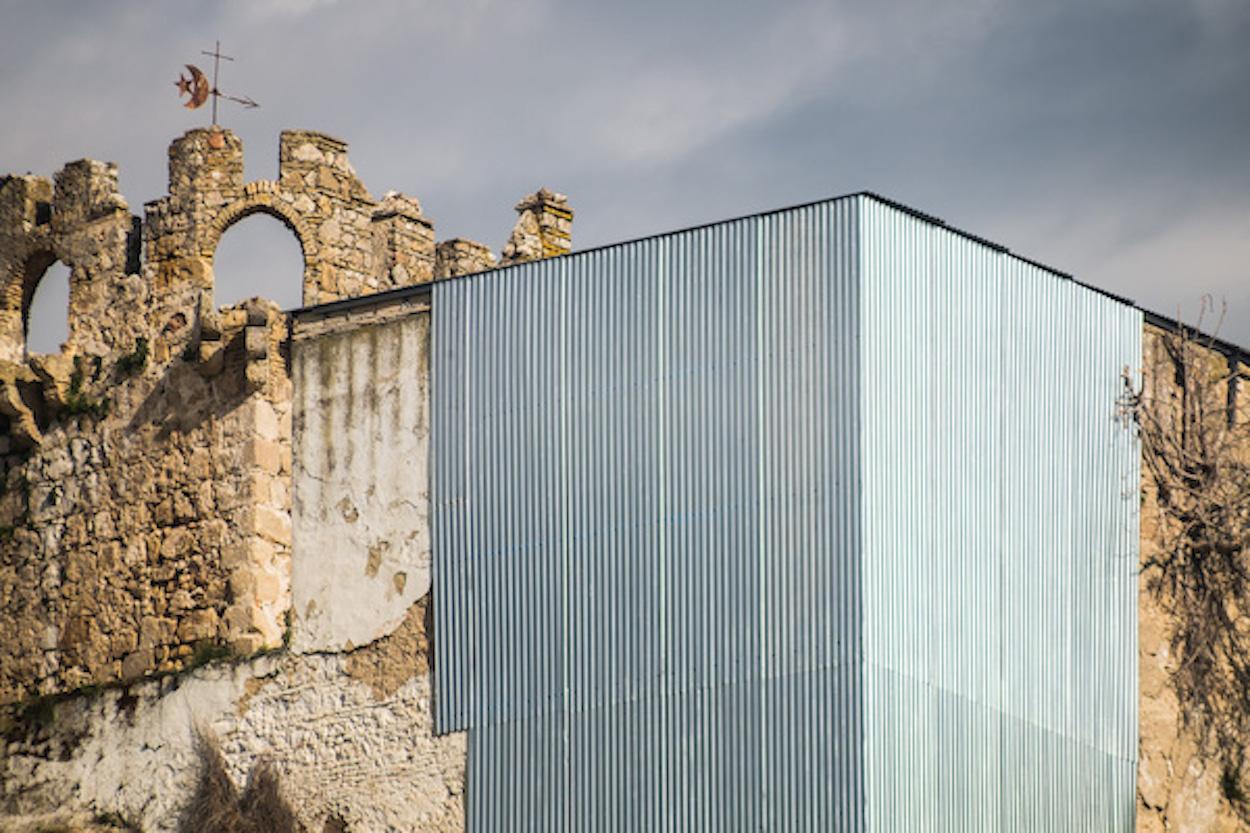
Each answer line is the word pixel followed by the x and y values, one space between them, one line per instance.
pixel 25 269
pixel 43 275
pixel 266 198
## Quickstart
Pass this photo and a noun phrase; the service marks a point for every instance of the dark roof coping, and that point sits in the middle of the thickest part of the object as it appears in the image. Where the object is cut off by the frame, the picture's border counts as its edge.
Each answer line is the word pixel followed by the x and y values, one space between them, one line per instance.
pixel 334 307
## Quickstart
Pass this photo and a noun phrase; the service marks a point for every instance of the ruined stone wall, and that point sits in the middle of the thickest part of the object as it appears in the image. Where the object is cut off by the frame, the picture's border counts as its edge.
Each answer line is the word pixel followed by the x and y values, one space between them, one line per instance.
pixel 148 476
pixel 352 244
pixel 345 716
pixel 544 228
pixel 1180 785
pixel 349 734
pixel 461 257
pixel 146 467
pixel 84 222
pixel 136 533
pixel 129 467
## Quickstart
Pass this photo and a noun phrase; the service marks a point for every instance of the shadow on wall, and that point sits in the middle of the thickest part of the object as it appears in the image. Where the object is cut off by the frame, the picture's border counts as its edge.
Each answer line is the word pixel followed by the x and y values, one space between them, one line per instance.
pixel 184 399
pixel 218 806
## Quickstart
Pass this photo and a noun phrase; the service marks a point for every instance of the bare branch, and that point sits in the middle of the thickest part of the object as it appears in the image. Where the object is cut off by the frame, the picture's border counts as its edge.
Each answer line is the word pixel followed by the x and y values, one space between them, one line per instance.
pixel 1196 460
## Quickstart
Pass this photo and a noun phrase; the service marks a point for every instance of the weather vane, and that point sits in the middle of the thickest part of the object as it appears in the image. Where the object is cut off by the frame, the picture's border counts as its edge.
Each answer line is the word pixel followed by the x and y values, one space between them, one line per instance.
pixel 198 88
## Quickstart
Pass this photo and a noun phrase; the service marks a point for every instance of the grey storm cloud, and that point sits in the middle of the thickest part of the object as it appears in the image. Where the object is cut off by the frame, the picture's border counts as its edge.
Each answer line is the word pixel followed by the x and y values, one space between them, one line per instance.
pixel 1107 139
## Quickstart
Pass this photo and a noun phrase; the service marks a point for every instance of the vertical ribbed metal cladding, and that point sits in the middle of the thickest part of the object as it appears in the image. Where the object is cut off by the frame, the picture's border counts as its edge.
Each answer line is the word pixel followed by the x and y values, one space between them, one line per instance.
pixel 647 530
pixel 817 520
pixel 1000 540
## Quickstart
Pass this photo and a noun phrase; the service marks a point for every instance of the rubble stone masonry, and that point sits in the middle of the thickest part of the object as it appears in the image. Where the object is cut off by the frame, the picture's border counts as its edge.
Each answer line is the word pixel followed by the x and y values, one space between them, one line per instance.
pixel 146 498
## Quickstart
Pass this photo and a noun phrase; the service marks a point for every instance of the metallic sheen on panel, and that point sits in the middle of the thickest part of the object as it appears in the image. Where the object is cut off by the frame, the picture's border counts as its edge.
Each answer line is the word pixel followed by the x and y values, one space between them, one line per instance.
pixel 774 524
pixel 1000 540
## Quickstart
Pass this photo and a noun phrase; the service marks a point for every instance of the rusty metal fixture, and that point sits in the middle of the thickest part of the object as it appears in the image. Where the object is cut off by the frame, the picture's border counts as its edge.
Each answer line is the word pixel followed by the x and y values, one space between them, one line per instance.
pixel 198 88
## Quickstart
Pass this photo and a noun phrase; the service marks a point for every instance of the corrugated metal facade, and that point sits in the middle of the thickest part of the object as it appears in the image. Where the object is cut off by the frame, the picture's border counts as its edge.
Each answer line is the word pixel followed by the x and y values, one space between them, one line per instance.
pixel 672 496
pixel 1000 540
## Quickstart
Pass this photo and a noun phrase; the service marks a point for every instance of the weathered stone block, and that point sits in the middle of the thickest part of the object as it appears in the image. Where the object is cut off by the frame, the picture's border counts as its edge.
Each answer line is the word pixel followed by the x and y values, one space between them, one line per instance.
pixel 268 587
pixel 198 625
pixel 249 552
pixel 273 525
pixel 265 455
pixel 180 600
pixel 155 631
pixel 246 644
pixel 176 544
pixel 137 664
pixel 266 420
pixel 123 643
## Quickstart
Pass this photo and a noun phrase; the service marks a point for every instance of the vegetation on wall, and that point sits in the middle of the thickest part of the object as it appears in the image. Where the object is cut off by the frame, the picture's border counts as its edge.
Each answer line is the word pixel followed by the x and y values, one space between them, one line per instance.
pixel 1196 459
pixel 78 402
pixel 134 361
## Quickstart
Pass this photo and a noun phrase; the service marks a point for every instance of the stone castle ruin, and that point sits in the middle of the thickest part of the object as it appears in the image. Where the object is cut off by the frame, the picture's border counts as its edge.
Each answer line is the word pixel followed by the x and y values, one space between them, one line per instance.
pixel 146 495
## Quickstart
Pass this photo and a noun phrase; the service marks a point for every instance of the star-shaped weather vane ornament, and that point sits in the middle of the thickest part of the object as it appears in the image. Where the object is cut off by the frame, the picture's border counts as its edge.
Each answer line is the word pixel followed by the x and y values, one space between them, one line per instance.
pixel 198 90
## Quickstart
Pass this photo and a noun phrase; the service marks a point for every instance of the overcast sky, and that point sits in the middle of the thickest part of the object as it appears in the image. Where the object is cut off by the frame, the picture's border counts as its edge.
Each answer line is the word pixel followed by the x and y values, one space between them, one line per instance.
pixel 1107 139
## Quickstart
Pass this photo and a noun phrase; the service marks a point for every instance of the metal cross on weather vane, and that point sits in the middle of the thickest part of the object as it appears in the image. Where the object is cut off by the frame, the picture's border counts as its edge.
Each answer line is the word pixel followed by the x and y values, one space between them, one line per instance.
pixel 199 90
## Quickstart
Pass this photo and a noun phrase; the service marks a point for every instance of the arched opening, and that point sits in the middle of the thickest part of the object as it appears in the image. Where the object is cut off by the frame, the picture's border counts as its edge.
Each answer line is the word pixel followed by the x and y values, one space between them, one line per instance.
pixel 258 256
pixel 45 307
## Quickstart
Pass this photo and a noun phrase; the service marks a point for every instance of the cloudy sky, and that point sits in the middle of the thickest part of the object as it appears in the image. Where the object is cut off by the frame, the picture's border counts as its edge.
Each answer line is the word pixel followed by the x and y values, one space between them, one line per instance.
pixel 1107 138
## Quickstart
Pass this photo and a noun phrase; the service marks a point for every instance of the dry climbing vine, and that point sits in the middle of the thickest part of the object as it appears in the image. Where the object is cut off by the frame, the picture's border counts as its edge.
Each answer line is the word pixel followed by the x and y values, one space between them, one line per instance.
pixel 1196 457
